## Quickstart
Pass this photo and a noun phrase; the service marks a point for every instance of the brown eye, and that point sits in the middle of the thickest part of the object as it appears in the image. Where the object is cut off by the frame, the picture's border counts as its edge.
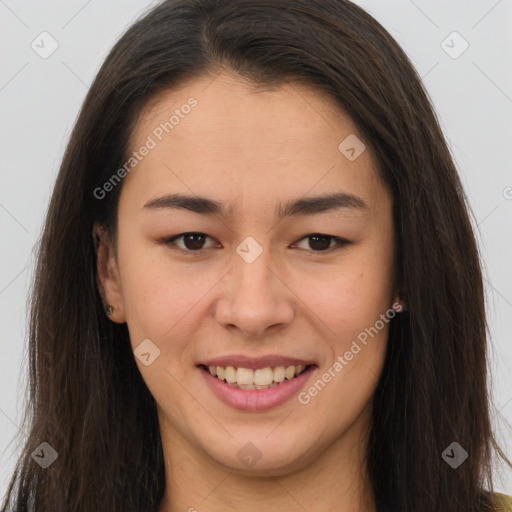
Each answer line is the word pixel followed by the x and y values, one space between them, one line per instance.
pixel 192 242
pixel 319 242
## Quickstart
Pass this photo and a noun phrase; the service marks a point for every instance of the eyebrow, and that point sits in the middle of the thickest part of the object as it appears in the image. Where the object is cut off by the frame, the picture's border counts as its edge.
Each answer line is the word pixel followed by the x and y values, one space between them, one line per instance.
pixel 296 207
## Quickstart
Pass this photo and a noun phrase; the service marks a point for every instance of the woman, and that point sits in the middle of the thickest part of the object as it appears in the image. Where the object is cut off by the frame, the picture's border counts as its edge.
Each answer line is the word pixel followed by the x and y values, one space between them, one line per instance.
pixel 257 286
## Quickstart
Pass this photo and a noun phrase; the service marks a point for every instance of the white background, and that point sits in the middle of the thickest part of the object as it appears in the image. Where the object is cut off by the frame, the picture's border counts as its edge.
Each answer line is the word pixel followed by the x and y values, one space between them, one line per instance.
pixel 40 99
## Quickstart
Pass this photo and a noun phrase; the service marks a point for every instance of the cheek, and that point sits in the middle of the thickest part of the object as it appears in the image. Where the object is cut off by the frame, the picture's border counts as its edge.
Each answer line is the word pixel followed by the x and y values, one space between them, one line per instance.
pixel 352 296
pixel 356 308
pixel 155 297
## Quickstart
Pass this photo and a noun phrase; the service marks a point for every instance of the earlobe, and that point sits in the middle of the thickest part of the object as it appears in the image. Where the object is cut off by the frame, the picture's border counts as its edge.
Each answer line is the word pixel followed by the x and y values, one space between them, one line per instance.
pixel 107 275
pixel 398 305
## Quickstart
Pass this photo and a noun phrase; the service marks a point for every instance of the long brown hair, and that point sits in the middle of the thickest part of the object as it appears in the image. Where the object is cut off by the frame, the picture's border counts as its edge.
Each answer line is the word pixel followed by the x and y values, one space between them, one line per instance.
pixel 87 398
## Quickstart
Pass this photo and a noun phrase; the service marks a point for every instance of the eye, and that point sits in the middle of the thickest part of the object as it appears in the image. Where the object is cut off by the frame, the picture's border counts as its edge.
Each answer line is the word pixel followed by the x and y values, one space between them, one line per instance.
pixel 193 242
pixel 322 243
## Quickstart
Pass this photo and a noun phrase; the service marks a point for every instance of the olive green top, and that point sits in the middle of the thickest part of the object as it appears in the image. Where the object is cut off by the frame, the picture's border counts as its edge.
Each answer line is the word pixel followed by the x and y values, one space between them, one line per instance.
pixel 503 502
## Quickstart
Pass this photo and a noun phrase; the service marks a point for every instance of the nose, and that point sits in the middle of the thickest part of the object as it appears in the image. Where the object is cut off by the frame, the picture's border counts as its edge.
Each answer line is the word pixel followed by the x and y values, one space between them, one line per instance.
pixel 256 299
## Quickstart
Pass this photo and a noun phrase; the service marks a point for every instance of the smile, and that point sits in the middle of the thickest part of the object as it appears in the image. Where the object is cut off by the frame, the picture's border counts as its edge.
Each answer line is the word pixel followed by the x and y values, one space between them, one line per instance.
pixel 262 378
pixel 247 392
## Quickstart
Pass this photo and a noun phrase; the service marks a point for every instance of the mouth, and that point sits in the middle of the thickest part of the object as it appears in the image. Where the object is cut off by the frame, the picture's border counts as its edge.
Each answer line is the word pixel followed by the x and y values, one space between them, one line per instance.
pixel 259 388
pixel 256 379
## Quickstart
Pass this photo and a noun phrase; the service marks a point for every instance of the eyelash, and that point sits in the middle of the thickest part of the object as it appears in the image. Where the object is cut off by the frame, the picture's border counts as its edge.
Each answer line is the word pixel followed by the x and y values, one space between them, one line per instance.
pixel 340 242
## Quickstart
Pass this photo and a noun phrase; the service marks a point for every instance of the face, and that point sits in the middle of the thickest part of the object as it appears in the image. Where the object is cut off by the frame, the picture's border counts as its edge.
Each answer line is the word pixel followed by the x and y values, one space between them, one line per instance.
pixel 250 278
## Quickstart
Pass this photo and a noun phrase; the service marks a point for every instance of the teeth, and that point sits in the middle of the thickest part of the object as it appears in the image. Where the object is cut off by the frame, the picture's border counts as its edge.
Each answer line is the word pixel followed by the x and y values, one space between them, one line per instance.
pixel 262 378
pixel 244 376
pixel 290 372
pixel 279 372
pixel 230 375
pixel 246 386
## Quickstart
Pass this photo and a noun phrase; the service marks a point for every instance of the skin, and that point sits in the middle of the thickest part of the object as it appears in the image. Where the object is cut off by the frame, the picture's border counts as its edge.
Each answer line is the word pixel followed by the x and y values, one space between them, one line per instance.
pixel 252 150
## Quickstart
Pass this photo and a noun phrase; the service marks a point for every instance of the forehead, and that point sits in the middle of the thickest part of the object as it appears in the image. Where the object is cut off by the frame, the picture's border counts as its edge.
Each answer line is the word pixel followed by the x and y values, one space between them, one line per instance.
pixel 222 133
pixel 227 101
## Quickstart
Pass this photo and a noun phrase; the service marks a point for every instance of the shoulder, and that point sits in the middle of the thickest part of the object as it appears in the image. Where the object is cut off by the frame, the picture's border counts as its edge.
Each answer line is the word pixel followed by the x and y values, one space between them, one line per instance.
pixel 503 502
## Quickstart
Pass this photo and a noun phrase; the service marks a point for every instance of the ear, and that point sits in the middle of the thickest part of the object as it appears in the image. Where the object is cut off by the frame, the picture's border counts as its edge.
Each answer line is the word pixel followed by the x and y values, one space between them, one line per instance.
pixel 107 274
pixel 398 304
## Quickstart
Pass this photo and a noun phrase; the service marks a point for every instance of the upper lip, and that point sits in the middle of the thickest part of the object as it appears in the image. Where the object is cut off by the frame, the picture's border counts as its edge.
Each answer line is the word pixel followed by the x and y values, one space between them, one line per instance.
pixel 243 361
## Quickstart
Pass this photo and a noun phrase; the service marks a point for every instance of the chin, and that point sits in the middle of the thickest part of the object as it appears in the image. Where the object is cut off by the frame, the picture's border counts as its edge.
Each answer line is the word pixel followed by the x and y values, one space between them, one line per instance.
pixel 259 456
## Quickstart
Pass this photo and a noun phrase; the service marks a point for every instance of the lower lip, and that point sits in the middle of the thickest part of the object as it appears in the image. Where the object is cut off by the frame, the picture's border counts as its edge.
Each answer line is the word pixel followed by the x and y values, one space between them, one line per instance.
pixel 256 399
